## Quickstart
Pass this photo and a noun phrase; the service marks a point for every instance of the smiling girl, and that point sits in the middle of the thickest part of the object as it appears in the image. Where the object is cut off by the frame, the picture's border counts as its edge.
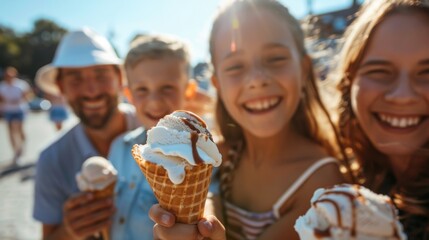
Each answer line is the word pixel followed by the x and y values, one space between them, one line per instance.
pixel 275 147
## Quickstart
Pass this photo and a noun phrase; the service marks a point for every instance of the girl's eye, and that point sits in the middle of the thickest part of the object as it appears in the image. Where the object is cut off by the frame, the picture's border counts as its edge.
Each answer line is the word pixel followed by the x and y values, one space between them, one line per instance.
pixel 378 73
pixel 234 68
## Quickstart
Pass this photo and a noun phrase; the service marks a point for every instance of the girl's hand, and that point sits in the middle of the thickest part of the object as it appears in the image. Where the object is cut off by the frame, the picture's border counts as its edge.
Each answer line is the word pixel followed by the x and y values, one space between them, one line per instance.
pixel 166 228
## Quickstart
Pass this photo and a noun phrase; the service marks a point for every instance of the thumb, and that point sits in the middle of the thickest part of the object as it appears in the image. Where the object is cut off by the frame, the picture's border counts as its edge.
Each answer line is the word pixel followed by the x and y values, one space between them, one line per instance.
pixel 210 227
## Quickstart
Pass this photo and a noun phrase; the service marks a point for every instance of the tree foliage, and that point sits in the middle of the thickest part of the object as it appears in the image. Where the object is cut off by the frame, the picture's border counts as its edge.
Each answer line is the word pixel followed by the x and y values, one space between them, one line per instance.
pixel 29 51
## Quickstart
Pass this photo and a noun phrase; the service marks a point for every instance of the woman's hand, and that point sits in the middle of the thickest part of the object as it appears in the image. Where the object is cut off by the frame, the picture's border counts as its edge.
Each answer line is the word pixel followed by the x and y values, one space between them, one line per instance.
pixel 167 228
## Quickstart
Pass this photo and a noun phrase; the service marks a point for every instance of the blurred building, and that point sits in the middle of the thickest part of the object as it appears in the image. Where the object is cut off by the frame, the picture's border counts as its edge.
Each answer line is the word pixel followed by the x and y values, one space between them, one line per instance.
pixel 329 24
pixel 201 73
pixel 323 33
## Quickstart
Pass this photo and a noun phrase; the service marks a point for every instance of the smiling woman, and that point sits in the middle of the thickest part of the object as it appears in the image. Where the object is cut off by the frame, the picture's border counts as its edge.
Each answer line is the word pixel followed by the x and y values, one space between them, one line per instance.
pixel 384 83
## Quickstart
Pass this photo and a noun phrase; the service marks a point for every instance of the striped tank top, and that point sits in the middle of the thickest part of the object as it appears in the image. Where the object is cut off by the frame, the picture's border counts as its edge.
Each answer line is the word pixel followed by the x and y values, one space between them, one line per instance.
pixel 243 224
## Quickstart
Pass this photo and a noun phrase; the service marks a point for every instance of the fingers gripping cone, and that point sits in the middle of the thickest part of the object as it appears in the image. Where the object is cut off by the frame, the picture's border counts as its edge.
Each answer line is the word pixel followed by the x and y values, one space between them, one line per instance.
pixel 107 192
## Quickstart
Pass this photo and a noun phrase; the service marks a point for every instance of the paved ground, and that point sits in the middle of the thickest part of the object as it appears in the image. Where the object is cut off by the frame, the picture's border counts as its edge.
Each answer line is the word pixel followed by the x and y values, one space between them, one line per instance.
pixel 17 184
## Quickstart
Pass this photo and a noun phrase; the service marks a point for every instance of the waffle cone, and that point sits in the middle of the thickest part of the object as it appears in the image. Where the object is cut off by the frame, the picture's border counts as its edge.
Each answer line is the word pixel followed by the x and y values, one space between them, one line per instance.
pixel 105 234
pixel 187 199
pixel 106 192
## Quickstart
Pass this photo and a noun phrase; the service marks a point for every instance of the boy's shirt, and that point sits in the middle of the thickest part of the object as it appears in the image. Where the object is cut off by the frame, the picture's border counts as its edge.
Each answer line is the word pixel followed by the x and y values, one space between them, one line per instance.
pixel 133 194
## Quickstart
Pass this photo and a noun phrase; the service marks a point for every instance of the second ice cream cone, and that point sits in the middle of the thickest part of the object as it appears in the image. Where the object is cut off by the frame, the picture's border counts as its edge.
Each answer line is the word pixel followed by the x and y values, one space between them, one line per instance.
pixel 98 177
pixel 106 192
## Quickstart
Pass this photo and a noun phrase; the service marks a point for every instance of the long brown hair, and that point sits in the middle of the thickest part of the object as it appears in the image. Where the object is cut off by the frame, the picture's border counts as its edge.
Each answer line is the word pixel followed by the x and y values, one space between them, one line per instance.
pixel 374 168
pixel 355 43
pixel 311 118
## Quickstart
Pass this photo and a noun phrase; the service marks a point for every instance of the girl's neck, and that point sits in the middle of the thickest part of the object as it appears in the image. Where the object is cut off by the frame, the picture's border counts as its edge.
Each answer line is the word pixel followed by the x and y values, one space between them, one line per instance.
pixel 287 146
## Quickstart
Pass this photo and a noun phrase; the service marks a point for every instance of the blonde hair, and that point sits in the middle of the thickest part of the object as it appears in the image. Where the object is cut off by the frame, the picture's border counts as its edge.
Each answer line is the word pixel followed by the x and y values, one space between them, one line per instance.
pixel 374 170
pixel 311 118
pixel 156 47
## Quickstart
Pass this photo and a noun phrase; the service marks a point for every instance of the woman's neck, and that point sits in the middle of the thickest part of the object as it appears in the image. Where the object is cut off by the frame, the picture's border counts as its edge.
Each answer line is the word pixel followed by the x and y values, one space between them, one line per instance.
pixel 406 168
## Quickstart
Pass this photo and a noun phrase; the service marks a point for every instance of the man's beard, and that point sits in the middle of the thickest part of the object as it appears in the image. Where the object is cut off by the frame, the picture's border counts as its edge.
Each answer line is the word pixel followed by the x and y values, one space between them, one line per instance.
pixel 96 120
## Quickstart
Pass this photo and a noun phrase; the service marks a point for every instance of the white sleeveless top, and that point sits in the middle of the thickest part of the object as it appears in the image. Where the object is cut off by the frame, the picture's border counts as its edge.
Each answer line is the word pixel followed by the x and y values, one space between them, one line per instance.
pixel 243 224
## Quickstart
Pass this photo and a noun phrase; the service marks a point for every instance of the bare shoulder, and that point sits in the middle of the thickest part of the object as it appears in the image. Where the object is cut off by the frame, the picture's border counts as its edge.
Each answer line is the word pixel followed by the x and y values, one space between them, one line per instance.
pixel 326 175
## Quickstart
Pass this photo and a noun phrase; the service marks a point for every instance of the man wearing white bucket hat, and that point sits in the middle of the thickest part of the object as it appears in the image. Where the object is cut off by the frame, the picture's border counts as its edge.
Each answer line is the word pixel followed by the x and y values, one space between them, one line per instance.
pixel 87 72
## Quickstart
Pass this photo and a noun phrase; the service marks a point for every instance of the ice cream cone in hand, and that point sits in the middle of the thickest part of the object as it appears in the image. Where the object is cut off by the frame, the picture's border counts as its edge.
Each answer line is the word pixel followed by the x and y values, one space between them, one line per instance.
pixel 98 176
pixel 350 212
pixel 177 161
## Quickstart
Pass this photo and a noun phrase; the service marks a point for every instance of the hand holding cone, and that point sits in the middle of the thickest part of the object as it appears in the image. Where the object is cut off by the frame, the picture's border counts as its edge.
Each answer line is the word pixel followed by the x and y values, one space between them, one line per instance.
pixel 99 177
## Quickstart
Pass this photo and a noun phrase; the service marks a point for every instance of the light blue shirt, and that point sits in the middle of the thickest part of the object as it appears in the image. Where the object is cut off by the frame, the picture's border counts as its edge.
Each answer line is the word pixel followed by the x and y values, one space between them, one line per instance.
pixel 134 196
pixel 57 167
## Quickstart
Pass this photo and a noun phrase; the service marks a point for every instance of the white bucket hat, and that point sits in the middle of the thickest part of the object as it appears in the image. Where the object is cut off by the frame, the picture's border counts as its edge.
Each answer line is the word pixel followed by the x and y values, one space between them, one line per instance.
pixel 82 48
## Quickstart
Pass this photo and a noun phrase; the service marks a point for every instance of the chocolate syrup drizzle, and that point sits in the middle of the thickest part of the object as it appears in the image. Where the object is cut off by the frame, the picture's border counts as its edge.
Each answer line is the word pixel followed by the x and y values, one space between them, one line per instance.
pixel 326 233
pixel 194 135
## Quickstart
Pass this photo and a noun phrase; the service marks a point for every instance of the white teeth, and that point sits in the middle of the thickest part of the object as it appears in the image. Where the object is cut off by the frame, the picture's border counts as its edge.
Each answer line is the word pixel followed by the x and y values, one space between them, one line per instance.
pixel 262 104
pixel 400 122
pixel 395 122
pixel 266 104
pixel 403 122
pixel 94 104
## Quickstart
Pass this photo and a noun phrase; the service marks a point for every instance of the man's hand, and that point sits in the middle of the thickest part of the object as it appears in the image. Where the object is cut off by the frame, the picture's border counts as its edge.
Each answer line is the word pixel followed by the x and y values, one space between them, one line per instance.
pixel 85 216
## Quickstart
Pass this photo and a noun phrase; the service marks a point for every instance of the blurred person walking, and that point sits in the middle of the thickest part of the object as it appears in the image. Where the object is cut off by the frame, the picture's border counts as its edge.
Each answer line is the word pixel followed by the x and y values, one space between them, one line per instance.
pixel 14 96
pixel 58 111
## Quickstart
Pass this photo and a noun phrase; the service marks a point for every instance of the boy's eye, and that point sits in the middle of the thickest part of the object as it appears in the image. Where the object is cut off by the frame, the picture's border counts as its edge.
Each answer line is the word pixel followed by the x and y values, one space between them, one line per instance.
pixel 167 88
pixel 234 67
pixel 141 90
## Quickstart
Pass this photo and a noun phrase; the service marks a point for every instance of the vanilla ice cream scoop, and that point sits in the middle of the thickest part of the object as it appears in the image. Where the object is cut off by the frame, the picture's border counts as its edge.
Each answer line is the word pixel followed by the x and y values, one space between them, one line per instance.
pixel 350 212
pixel 178 140
pixel 96 174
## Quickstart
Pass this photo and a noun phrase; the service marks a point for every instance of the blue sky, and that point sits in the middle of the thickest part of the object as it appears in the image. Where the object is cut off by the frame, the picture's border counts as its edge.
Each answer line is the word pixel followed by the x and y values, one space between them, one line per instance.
pixel 122 20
